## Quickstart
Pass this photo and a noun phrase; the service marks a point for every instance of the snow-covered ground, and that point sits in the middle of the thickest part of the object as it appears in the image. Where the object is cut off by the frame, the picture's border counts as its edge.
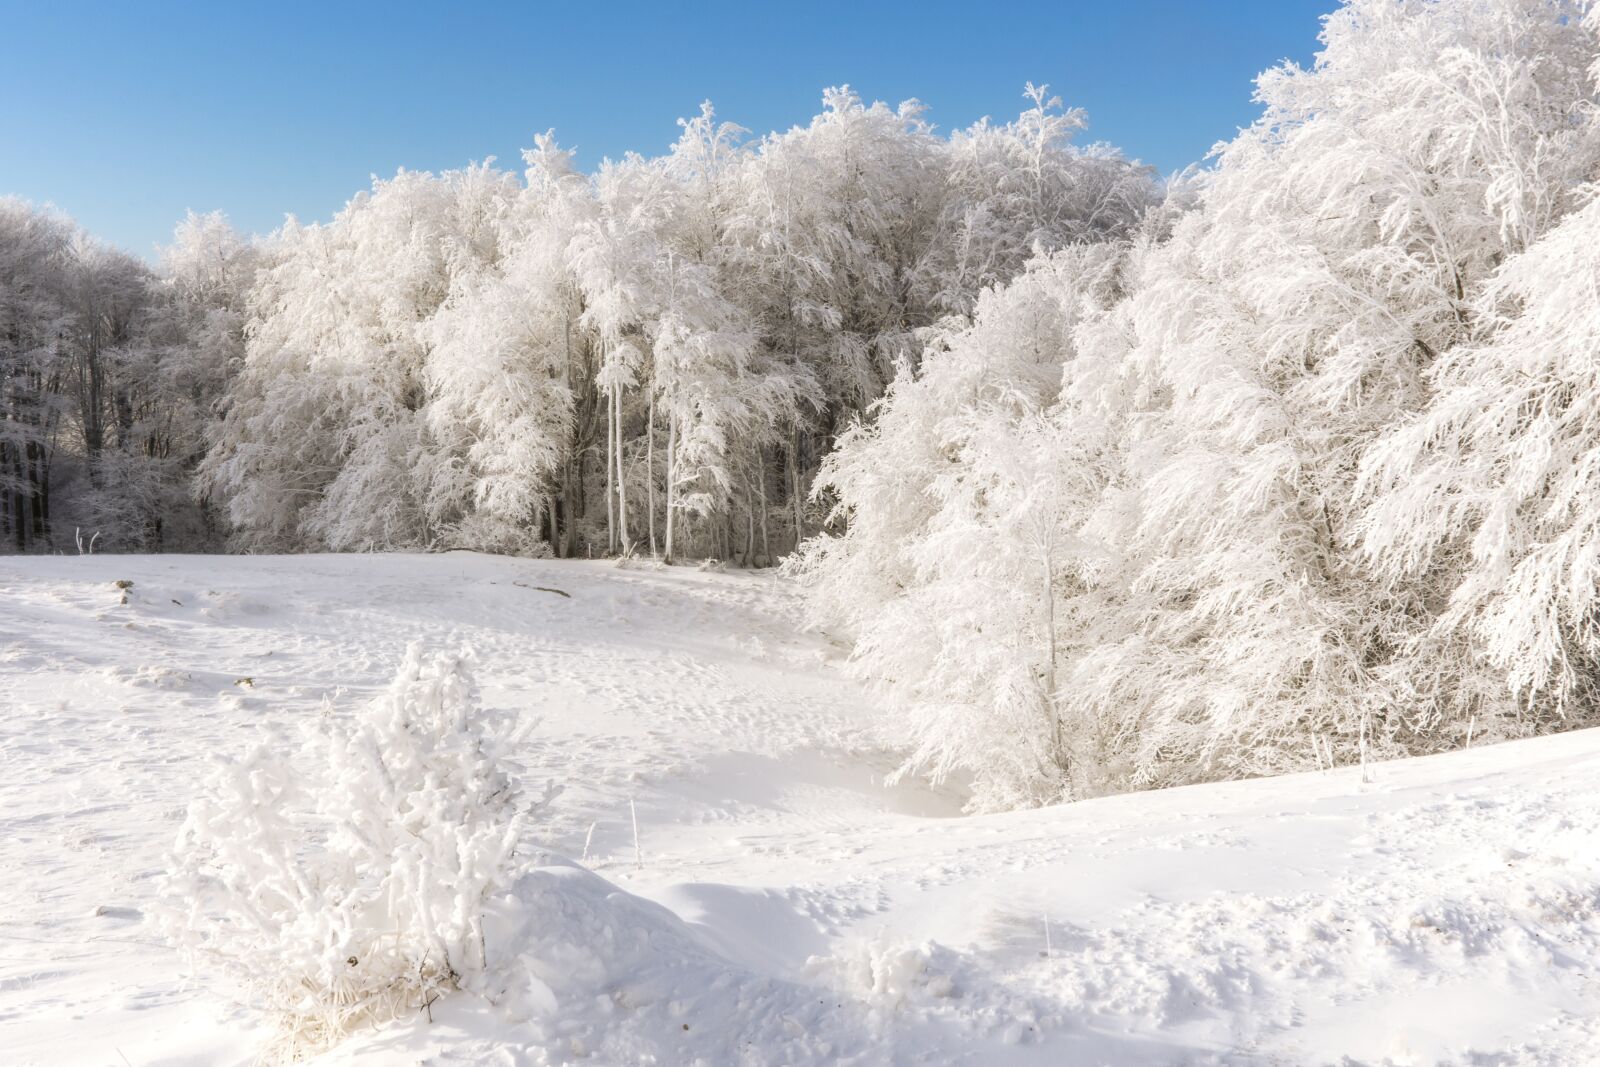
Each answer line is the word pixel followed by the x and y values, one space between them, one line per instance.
pixel 783 905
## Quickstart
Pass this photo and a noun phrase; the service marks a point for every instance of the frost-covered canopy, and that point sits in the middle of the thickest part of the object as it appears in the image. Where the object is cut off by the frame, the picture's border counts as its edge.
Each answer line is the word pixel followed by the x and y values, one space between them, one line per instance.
pixel 1300 473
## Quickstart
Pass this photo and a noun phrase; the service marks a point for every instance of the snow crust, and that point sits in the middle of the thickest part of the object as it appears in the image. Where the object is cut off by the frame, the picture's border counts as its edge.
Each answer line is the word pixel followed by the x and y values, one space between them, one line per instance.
pixel 780 905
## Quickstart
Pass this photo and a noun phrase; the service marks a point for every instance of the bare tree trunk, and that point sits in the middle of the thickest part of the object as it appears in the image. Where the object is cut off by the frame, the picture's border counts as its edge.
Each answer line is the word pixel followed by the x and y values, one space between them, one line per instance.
pixel 622 482
pixel 38 491
pixel 582 390
pixel 794 489
pixel 19 503
pixel 672 478
pixel 5 496
pixel 1050 668
pixel 611 520
pixel 650 471
pixel 749 525
pixel 761 475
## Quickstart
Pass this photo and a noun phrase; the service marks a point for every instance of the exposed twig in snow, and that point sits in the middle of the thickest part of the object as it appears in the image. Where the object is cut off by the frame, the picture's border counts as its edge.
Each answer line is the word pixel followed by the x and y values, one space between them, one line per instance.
pixel 1366 776
pixel 638 856
pixel 543 589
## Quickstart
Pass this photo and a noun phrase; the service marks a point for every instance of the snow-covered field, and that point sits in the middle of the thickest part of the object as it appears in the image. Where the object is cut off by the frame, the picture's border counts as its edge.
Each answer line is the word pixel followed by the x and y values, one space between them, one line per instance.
pixel 783 906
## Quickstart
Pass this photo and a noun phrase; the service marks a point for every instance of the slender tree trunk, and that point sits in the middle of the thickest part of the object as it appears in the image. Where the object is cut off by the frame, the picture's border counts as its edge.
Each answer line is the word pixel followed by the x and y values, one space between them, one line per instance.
pixel 38 490
pixel 650 471
pixel 1050 668
pixel 672 478
pixel 794 489
pixel 622 482
pixel 611 520
pixel 5 495
pixel 761 475
pixel 749 525
pixel 19 503
pixel 572 474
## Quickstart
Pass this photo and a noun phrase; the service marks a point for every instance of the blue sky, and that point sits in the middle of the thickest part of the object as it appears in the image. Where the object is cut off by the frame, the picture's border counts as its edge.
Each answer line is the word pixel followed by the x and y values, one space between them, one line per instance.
pixel 127 114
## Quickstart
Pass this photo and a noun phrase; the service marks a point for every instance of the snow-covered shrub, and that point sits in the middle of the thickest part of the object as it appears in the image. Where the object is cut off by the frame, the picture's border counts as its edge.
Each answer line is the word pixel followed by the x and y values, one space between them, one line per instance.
pixel 889 977
pixel 345 885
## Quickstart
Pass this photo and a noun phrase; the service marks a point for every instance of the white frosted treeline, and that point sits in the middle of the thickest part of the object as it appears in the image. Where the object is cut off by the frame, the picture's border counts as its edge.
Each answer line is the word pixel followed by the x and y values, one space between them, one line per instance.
pixel 652 358
pixel 1302 472
pixel 109 371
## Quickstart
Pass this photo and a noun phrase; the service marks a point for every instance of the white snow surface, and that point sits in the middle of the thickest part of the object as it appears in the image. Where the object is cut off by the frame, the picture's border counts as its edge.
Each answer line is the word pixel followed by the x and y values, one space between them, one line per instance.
pixel 784 906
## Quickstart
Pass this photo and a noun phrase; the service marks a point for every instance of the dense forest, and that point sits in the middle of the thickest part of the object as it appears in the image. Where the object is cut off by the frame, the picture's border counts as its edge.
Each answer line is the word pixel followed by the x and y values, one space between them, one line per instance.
pixel 1112 481
pixel 653 358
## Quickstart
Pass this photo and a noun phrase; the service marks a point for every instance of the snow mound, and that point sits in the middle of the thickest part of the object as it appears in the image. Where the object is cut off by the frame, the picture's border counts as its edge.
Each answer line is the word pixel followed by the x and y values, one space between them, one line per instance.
pixel 597 972
pixel 581 970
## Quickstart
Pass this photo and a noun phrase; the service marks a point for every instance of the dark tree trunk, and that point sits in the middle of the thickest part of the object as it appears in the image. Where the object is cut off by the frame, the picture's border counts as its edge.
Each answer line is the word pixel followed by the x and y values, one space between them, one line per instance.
pixel 19 504
pixel 39 491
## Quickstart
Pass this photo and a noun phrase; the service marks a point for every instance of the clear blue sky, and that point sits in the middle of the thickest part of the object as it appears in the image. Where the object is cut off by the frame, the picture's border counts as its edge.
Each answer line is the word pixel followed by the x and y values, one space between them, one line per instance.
pixel 127 114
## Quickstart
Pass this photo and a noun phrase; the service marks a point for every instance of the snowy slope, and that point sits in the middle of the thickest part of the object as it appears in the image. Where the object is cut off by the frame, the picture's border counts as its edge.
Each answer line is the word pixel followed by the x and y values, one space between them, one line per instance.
pixel 783 907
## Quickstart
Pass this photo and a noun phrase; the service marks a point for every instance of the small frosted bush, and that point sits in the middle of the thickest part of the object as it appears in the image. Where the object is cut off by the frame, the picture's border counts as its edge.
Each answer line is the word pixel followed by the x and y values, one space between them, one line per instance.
pixel 346 886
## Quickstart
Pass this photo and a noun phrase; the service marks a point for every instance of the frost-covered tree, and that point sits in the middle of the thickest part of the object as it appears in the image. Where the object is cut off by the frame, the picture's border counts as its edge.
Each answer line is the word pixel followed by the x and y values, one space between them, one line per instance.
pixel 207 277
pixel 34 259
pixel 1219 615
pixel 1286 323
pixel 556 202
pixel 614 256
pixel 326 441
pixel 1487 502
pixel 1020 188
pixel 1482 502
pixel 961 506
pixel 107 381
pixel 729 401
pixel 826 225
pixel 499 369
